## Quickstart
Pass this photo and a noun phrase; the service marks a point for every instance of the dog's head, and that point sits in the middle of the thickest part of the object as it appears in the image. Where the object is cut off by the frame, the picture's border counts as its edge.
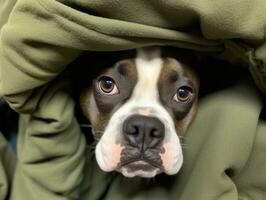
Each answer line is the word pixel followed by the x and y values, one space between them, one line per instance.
pixel 139 109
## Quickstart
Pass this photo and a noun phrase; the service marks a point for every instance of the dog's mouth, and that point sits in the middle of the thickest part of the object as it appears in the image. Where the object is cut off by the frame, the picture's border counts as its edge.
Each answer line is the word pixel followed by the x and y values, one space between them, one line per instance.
pixel 140 163
pixel 140 166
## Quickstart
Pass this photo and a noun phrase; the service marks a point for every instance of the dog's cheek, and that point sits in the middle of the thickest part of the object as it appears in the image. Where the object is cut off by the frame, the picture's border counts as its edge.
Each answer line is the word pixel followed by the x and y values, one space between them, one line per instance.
pixel 108 154
pixel 99 123
pixel 167 156
pixel 182 125
pixel 116 154
pixel 85 101
pixel 90 110
pixel 172 161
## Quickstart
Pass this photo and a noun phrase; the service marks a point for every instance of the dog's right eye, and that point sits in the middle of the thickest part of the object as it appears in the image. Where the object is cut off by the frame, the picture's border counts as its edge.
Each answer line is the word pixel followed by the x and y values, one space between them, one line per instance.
pixel 107 86
pixel 183 94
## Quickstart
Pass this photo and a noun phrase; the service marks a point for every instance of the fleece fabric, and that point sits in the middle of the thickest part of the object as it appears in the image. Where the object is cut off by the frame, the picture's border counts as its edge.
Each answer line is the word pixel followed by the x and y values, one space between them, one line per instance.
pixel 225 146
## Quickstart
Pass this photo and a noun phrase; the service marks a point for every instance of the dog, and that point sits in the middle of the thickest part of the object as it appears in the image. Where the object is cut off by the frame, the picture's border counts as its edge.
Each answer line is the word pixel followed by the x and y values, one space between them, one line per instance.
pixel 140 107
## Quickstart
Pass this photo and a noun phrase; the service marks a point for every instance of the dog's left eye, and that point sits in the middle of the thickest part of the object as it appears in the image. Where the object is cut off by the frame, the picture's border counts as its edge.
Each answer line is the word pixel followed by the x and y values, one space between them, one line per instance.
pixel 183 94
pixel 107 85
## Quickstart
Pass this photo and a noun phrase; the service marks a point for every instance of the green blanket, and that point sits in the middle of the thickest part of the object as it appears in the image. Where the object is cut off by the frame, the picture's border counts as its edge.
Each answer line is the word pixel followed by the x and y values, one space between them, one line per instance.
pixel 225 155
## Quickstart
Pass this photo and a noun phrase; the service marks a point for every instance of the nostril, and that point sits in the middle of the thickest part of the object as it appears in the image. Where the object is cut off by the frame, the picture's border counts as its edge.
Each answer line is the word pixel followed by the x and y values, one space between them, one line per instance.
pixel 155 133
pixel 133 130
pixel 143 131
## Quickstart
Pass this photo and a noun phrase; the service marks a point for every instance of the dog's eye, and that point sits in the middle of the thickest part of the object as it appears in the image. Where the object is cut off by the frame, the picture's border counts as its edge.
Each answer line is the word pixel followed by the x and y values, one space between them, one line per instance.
pixel 107 85
pixel 183 94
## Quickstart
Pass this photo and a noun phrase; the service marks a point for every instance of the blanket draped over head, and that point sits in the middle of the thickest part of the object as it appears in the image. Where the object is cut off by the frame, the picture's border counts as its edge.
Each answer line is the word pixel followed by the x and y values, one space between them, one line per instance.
pixel 225 152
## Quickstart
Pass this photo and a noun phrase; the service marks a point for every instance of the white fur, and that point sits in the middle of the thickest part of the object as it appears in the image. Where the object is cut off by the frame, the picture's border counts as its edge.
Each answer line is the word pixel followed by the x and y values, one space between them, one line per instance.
pixel 145 96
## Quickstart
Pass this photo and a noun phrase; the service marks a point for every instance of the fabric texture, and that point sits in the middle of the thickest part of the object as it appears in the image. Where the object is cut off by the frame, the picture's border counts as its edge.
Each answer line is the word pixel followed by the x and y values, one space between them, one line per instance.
pixel 7 167
pixel 6 7
pixel 7 156
pixel 225 154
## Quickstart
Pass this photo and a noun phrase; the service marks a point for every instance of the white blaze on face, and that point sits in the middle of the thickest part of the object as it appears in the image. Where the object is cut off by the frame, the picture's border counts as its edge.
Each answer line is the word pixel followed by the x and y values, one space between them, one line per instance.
pixel 144 99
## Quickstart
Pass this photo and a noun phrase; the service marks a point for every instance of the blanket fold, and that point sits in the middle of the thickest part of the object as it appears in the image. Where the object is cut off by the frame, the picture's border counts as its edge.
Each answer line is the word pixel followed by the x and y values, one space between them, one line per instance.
pixel 226 142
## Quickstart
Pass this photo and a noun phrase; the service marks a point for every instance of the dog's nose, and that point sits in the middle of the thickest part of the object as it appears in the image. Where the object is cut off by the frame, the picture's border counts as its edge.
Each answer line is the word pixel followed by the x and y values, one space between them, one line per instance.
pixel 143 131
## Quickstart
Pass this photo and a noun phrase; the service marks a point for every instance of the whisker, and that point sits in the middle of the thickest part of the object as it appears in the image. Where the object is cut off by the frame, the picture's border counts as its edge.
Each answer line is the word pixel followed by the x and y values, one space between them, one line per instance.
pixel 181 138
pixel 92 147
pixel 85 125
pixel 184 146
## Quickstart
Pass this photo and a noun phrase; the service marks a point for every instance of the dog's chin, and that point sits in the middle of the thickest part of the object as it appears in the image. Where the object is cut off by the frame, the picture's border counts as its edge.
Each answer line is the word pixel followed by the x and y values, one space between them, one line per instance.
pixel 139 173
pixel 140 169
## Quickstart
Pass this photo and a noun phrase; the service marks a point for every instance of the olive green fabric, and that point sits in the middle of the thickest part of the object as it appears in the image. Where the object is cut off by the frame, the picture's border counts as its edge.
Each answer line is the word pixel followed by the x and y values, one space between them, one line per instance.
pixel 51 150
pixel 225 152
pixel 6 7
pixel 7 156
pixel 7 167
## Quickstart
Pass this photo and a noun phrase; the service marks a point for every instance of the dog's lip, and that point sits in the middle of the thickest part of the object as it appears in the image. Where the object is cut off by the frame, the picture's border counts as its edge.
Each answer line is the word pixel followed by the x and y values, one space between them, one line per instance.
pixel 141 163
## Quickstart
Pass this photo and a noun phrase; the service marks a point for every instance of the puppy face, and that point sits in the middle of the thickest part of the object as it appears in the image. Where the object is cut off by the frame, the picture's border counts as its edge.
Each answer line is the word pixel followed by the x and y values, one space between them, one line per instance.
pixel 139 108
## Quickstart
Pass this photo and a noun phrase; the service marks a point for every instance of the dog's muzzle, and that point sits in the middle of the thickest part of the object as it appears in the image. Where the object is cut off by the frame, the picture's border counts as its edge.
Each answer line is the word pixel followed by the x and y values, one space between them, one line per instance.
pixel 143 132
pixel 143 137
